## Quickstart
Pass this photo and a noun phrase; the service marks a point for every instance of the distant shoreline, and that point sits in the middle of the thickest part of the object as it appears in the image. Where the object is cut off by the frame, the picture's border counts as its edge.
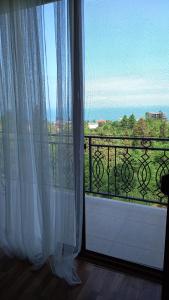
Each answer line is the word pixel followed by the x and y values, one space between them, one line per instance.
pixel 115 114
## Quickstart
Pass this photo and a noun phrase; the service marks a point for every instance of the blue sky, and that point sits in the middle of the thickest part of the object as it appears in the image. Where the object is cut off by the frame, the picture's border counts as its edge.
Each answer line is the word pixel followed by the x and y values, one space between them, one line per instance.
pixel 126 52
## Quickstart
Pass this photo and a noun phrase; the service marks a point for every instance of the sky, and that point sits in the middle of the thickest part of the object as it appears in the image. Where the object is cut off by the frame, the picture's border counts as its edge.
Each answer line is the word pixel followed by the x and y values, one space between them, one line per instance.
pixel 126 53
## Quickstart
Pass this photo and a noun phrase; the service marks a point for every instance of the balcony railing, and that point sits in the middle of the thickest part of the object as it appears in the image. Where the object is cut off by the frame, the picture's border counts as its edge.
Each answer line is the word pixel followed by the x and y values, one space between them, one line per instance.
pixel 127 168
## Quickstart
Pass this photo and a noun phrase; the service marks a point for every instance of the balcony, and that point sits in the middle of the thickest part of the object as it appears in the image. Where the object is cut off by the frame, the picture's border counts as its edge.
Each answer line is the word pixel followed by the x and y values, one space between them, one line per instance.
pixel 125 209
pixel 129 231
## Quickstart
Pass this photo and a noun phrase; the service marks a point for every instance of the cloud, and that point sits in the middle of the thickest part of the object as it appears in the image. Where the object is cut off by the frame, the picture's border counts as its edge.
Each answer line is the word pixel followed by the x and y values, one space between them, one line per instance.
pixel 126 91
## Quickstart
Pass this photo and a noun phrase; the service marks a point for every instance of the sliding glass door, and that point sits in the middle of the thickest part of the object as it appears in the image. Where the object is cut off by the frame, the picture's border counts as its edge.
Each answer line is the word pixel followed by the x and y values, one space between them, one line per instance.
pixel 126 129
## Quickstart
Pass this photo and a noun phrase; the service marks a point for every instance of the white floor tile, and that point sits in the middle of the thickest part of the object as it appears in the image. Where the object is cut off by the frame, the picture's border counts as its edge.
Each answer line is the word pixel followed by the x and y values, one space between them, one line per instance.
pixel 126 230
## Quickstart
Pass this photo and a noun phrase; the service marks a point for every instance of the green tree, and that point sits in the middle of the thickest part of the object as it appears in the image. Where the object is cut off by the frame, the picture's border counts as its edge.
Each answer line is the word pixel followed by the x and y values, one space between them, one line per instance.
pixel 132 121
pixel 140 128
pixel 124 122
pixel 163 129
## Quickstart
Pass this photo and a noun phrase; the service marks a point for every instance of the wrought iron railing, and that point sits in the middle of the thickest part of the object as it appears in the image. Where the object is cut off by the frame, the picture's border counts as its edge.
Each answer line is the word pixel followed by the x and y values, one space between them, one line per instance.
pixel 61 157
pixel 127 168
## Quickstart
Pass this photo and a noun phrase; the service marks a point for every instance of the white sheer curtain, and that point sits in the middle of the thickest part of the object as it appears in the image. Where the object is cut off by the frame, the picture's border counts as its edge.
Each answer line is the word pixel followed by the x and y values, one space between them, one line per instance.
pixel 41 133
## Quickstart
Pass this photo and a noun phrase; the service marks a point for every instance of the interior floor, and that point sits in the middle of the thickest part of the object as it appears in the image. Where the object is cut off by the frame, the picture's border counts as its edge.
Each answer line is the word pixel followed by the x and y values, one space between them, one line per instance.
pixel 18 281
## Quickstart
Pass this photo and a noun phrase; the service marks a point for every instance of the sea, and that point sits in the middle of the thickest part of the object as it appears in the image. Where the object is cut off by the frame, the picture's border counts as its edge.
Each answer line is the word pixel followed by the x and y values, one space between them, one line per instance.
pixel 116 113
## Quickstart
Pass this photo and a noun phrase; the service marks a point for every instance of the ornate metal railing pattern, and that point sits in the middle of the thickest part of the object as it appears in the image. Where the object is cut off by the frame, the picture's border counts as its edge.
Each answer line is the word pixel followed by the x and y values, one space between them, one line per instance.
pixel 126 167
pixel 61 157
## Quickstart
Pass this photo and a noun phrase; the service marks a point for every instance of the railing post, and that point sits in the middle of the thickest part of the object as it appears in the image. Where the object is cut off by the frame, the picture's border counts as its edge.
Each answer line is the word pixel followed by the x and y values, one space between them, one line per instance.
pixel 165 191
pixel 108 171
pixel 115 171
pixel 90 165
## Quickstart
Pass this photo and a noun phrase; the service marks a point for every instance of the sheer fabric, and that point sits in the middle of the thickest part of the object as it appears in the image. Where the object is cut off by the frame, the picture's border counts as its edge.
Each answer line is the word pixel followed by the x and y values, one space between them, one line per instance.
pixel 41 137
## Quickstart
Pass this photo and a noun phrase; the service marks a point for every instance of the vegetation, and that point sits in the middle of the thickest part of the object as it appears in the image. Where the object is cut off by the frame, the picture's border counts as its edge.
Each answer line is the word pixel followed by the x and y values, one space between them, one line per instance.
pixel 136 171
pixel 129 126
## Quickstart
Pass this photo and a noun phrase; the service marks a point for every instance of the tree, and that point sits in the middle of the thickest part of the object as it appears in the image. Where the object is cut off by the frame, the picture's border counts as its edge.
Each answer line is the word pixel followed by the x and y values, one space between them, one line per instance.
pixel 140 128
pixel 163 129
pixel 131 121
pixel 124 122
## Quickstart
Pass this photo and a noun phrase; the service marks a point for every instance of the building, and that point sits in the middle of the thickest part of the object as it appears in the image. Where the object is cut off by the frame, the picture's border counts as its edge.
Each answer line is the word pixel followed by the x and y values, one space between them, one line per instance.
pixel 93 125
pixel 101 122
pixel 156 115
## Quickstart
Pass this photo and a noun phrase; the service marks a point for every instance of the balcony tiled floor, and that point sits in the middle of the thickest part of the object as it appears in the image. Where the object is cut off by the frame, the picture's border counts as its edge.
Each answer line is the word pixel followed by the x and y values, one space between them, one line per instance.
pixel 124 230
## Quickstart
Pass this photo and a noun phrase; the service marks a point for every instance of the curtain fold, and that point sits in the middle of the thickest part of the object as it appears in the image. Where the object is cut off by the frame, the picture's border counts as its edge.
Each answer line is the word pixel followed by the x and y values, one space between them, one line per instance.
pixel 41 133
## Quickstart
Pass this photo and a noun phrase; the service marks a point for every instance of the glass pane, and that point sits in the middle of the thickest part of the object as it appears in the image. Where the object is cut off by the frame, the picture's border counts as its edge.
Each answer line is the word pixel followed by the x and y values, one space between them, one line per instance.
pixel 126 99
